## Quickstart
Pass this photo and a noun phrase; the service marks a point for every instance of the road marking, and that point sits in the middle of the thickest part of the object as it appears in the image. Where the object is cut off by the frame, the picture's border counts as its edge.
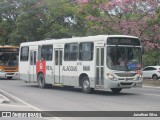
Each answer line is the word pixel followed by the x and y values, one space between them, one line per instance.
pixel 29 105
pixel 8 105
pixel 4 99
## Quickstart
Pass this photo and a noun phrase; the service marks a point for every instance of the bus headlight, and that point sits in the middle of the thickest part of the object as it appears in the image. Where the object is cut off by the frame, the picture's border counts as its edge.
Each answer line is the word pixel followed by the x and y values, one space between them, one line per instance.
pixel 139 77
pixel 111 77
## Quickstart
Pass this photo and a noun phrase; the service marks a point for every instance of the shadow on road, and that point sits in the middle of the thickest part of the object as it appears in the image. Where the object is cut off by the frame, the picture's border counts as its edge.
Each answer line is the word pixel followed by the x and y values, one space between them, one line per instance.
pixel 79 91
pixel 5 79
pixel 67 89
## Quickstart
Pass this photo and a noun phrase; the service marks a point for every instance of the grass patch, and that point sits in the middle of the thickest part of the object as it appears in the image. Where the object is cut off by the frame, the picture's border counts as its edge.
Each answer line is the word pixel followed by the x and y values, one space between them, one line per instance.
pixel 150 82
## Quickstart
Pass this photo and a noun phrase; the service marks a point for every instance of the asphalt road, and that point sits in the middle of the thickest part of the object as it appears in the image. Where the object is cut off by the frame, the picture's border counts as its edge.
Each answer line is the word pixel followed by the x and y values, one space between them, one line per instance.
pixel 27 96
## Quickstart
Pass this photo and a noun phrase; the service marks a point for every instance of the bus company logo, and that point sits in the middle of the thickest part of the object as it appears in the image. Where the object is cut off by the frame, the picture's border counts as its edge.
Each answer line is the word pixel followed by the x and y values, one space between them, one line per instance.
pixel 69 68
pixel 21 114
pixel 41 67
pixel 6 114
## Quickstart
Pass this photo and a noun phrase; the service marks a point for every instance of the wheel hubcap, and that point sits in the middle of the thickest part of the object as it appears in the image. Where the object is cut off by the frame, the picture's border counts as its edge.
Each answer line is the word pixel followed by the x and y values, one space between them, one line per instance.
pixel 86 84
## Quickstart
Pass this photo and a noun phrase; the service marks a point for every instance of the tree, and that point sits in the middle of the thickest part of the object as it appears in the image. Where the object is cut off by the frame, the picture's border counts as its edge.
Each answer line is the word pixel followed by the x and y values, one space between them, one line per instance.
pixel 63 19
pixel 130 17
pixel 8 16
pixel 29 24
pixel 151 57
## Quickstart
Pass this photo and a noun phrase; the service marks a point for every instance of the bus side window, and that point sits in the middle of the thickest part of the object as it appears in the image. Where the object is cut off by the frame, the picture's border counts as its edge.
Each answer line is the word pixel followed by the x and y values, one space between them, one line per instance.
pixel 71 52
pixel 86 51
pixel 39 52
pixel 56 57
pixel 66 52
pixel 24 53
pixel 47 52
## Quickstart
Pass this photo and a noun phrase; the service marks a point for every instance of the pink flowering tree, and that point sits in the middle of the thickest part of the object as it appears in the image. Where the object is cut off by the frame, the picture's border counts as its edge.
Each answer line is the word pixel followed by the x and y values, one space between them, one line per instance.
pixel 129 17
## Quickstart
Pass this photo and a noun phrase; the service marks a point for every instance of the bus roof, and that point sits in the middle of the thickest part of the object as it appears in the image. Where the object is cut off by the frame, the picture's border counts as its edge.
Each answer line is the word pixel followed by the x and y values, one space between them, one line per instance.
pixel 8 46
pixel 74 39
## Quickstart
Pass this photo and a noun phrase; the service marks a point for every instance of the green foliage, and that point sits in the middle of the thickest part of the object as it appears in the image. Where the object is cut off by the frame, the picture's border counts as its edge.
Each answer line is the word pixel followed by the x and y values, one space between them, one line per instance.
pixel 33 20
pixel 8 15
pixel 151 58
pixel 63 20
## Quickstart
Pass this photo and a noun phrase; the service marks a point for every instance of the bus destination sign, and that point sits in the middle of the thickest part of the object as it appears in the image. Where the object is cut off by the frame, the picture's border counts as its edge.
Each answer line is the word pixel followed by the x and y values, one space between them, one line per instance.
pixel 123 41
pixel 9 49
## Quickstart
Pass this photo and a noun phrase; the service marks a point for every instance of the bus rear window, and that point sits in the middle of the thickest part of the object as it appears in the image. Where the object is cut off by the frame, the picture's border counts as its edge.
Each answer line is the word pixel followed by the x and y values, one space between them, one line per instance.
pixel 24 53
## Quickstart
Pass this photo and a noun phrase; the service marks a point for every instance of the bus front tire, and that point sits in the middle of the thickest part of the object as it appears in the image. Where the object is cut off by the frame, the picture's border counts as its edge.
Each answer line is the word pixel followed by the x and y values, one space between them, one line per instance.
pixel 116 90
pixel 86 85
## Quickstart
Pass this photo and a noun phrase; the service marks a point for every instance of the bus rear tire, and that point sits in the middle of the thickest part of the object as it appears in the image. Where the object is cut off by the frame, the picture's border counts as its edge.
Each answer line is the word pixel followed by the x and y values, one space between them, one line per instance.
pixel 41 81
pixel 86 85
pixel 116 90
pixel 9 78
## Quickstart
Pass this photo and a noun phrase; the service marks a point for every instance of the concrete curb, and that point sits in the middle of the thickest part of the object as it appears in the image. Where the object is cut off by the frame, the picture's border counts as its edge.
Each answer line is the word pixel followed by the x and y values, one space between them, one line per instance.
pixel 4 99
pixel 147 86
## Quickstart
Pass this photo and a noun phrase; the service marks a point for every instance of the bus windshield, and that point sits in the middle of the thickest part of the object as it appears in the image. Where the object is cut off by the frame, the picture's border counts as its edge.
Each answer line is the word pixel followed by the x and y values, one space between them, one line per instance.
pixel 123 58
pixel 8 59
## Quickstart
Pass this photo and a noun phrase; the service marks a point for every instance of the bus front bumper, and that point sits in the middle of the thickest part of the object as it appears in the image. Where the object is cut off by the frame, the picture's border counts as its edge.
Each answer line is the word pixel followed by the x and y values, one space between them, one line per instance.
pixel 124 84
pixel 9 74
pixel 2 74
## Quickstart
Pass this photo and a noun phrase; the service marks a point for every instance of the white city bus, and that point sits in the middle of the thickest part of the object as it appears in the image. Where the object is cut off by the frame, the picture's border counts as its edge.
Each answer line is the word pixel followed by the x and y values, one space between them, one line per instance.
pixel 90 63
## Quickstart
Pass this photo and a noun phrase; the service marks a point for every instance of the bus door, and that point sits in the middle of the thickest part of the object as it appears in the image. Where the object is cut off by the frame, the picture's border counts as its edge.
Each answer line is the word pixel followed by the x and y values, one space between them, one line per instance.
pixel 100 66
pixel 32 66
pixel 58 66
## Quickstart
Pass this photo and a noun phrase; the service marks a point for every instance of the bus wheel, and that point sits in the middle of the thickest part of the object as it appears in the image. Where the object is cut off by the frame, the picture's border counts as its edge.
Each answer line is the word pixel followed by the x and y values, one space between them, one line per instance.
pixel 9 78
pixel 116 90
pixel 86 85
pixel 41 81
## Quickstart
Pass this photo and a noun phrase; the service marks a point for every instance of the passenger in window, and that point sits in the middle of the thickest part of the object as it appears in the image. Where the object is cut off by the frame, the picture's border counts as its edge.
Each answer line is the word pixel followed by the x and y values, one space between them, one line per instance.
pixel 122 60
pixel 10 62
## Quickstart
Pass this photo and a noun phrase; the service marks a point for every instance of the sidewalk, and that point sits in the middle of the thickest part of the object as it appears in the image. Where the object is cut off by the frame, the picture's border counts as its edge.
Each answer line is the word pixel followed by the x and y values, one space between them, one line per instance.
pixel 152 83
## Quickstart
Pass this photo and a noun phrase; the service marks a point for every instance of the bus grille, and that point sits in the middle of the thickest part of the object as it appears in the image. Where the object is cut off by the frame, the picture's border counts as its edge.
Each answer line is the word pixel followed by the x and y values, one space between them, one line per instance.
pixel 126 79
pixel 130 83
pixel 10 69
pixel 10 73
pixel 125 74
